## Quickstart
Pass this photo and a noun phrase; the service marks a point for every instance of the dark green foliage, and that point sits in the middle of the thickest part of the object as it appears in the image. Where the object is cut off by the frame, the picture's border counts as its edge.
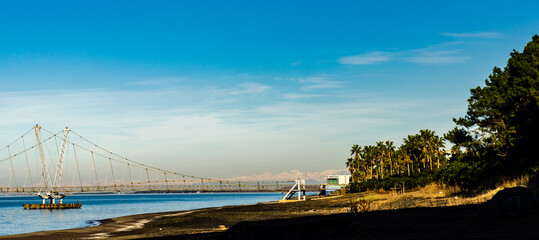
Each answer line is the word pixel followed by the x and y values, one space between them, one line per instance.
pixel 391 182
pixel 467 175
pixel 500 131
pixel 497 139
pixel 501 128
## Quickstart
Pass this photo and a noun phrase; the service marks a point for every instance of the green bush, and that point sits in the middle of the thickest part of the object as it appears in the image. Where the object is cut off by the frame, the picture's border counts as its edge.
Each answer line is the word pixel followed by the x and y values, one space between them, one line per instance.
pixel 388 183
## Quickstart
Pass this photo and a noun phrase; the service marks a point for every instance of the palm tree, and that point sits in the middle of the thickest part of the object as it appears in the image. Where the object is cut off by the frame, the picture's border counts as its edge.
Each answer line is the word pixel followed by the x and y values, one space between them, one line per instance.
pixel 369 154
pixel 427 136
pixel 390 148
pixel 350 166
pixel 381 150
pixel 412 148
pixel 408 160
pixel 362 167
pixel 399 158
pixel 355 150
pixel 438 143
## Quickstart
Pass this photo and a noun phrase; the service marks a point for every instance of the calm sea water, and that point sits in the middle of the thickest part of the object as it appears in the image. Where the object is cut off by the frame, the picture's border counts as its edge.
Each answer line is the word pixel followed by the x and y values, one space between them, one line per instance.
pixel 15 220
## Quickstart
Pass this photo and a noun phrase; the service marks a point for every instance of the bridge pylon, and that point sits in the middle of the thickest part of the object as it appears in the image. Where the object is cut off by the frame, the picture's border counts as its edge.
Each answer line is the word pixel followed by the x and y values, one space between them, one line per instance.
pixel 52 189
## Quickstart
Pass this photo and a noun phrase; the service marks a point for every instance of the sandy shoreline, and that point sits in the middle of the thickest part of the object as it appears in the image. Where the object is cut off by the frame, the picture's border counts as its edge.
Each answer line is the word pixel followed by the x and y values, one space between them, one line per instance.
pixel 107 228
pixel 398 217
pixel 189 222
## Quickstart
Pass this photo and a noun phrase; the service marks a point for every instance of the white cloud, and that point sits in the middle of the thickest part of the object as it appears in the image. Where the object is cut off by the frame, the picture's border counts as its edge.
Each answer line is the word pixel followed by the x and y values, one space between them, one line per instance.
pixel 209 132
pixel 427 57
pixel 298 96
pixel 431 55
pixel 365 59
pixel 159 82
pixel 314 83
pixel 473 35
pixel 251 88
pixel 291 175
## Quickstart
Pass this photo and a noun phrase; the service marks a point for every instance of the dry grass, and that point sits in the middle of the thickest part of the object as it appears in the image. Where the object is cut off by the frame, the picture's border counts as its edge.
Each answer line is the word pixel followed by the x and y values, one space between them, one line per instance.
pixel 432 195
pixel 361 205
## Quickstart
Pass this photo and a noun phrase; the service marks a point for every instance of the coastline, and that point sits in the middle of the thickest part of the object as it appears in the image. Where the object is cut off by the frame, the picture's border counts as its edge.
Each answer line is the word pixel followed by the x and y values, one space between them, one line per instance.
pixel 406 216
pixel 142 225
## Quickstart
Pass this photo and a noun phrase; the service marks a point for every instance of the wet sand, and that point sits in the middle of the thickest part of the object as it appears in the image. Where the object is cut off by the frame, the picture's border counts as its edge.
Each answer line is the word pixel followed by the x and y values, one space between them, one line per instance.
pixel 325 218
pixel 187 222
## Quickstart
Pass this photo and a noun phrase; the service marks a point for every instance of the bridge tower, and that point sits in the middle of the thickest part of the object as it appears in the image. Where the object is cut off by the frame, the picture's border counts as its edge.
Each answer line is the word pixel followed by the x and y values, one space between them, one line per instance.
pixel 51 190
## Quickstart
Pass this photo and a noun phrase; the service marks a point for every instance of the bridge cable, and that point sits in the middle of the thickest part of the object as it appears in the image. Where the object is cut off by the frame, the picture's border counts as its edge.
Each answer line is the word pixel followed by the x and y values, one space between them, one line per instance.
pixel 95 170
pixel 166 181
pixel 140 176
pixel 12 169
pixel 151 167
pixel 184 183
pixel 16 140
pixel 130 177
pixel 148 177
pixel 138 163
pixel 107 176
pixel 202 183
pixel 27 163
pixel 25 150
pixel 73 178
pixel 113 178
pixel 58 155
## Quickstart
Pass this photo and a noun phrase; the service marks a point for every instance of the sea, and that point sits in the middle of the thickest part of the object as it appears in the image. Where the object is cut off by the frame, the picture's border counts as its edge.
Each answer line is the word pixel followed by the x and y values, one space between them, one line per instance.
pixel 15 220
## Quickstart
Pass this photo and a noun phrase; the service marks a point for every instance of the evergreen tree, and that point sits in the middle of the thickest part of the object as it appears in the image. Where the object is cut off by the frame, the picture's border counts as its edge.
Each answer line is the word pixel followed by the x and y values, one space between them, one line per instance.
pixel 503 116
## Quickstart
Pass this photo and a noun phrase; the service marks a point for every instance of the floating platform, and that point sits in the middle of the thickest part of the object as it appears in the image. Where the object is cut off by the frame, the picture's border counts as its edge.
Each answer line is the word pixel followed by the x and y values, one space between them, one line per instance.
pixel 52 206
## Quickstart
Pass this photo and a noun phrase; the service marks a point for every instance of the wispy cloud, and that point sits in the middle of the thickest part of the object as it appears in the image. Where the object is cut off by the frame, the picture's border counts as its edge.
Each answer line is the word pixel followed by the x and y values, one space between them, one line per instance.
pixel 297 96
pixel 473 35
pixel 366 59
pixel 316 83
pixel 431 55
pixel 297 63
pixel 198 132
pixel 251 88
pixel 435 57
pixel 159 82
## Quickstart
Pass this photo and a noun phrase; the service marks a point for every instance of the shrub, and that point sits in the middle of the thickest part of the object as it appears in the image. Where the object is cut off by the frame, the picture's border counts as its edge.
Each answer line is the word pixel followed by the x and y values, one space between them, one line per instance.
pixel 388 183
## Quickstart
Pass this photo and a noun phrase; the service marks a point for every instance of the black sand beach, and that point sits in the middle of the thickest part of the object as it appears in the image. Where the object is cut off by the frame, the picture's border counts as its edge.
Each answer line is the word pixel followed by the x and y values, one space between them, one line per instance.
pixel 324 218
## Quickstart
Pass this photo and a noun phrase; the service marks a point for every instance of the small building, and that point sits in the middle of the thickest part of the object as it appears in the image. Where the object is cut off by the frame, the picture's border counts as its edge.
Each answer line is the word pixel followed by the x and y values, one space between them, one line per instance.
pixel 336 182
pixel 338 179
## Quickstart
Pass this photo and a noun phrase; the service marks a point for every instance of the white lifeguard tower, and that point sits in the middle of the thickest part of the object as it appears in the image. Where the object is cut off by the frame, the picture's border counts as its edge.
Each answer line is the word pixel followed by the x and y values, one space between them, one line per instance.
pixel 336 182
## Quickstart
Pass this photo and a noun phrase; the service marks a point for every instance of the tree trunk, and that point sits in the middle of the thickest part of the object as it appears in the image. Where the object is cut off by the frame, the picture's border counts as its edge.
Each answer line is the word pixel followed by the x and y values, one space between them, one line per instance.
pixel 382 168
pixel 408 167
pixel 430 162
pixel 390 166
pixel 372 170
pixel 438 160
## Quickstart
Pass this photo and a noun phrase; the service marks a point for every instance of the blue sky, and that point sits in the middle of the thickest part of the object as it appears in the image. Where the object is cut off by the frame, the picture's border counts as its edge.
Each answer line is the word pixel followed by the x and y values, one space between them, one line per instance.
pixel 235 88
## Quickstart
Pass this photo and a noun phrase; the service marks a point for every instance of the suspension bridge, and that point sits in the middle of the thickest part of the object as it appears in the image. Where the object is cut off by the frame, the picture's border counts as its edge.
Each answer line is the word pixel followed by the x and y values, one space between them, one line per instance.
pixel 53 165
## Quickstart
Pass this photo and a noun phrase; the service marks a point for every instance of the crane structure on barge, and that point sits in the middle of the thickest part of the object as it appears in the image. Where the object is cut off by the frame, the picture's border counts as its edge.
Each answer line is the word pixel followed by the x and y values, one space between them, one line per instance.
pixel 105 171
pixel 51 190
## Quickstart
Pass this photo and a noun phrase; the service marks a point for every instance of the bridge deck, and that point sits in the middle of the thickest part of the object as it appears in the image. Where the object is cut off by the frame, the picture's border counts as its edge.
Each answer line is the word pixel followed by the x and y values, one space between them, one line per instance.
pixel 165 188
